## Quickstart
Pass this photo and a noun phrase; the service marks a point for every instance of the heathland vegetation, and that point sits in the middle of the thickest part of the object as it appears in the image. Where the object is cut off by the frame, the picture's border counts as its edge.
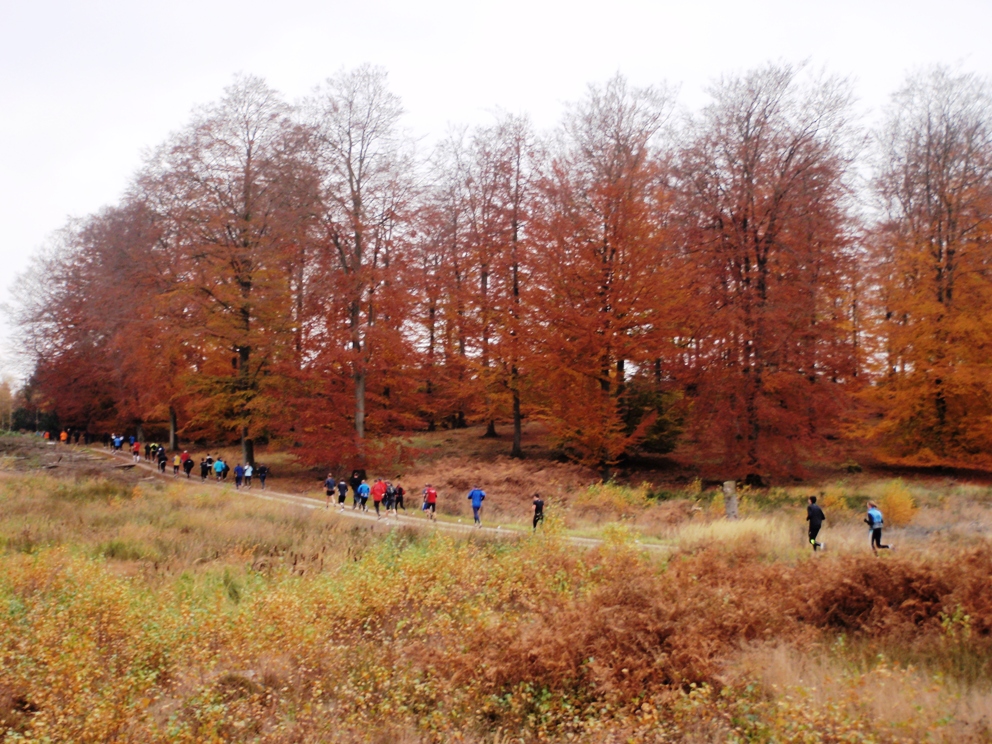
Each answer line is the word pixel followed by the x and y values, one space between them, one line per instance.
pixel 141 609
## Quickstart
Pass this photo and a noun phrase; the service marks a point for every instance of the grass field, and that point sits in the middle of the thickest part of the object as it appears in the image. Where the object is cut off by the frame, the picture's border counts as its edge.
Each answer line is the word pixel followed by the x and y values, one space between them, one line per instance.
pixel 141 610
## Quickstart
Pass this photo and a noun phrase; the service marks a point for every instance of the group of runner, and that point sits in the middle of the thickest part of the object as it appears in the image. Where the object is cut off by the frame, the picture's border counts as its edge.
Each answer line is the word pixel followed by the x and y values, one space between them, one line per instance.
pixel 873 518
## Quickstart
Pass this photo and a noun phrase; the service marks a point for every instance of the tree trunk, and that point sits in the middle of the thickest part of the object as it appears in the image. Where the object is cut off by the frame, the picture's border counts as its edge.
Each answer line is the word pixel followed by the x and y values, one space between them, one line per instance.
pixel 730 498
pixel 360 404
pixel 173 436
pixel 247 447
pixel 517 450
pixel 490 430
pixel 139 432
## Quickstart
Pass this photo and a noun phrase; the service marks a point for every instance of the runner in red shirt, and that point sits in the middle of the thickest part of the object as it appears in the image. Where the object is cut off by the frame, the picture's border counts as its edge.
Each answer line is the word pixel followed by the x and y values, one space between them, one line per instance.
pixel 430 502
pixel 378 490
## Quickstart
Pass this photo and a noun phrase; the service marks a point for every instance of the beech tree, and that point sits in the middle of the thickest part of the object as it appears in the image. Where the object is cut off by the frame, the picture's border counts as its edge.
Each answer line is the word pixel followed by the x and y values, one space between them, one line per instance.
pixel 364 166
pixel 766 251
pixel 598 244
pixel 232 187
pixel 931 250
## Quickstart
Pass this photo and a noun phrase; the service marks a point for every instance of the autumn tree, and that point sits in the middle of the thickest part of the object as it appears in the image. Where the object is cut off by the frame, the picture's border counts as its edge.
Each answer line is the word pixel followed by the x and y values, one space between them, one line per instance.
pixel 598 243
pixel 233 190
pixel 364 188
pixel 932 250
pixel 766 356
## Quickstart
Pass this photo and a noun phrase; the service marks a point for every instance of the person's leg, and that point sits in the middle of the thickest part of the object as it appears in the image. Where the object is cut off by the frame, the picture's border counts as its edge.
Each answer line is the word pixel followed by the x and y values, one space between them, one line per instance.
pixel 376 503
pixel 813 532
pixel 876 538
pixel 475 514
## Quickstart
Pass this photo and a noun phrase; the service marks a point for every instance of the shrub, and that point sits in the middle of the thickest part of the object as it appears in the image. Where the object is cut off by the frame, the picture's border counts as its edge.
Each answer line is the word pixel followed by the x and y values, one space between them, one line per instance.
pixel 897 503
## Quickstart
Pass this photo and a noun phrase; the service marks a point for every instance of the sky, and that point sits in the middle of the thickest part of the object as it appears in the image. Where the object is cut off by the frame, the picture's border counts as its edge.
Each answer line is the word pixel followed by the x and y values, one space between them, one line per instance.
pixel 88 86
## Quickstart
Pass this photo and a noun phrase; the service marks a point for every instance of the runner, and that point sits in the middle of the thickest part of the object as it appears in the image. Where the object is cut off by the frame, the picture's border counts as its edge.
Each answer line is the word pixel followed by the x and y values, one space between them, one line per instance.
pixel 219 468
pixel 148 451
pixel 538 510
pixel 815 517
pixel 330 486
pixel 162 459
pixel 389 498
pixel 430 502
pixel 362 496
pixel 342 493
pixel 204 469
pixel 239 475
pixel 874 521
pixel 378 491
pixel 64 437
pixel 177 462
pixel 400 493
pixel 263 473
pixel 476 496
pixel 249 472
pixel 136 452
pixel 227 469
pixel 188 466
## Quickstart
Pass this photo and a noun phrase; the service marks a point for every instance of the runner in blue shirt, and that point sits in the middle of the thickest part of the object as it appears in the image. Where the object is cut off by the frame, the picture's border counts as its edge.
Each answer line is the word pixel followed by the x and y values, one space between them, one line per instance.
pixel 476 496
pixel 874 521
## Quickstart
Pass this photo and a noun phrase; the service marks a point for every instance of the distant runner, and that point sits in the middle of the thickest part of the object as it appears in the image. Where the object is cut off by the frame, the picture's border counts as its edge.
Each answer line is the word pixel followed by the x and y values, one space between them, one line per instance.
pixel 400 493
pixel 430 502
pixel 330 486
pixel 239 475
pixel 815 517
pixel 476 496
pixel 263 473
pixel 342 493
pixel 188 466
pixel 538 510
pixel 874 521
pixel 362 494
pixel 249 472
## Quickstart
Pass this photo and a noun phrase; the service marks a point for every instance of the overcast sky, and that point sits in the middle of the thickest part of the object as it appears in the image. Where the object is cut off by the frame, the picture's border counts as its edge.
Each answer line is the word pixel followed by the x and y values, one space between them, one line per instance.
pixel 87 85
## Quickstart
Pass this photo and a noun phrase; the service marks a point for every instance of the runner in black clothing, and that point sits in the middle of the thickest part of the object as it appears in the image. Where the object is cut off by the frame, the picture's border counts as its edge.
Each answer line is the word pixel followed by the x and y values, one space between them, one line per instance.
pixel 329 486
pixel 342 493
pixel 815 517
pixel 400 493
pixel 263 473
pixel 188 466
pixel 204 469
pixel 538 509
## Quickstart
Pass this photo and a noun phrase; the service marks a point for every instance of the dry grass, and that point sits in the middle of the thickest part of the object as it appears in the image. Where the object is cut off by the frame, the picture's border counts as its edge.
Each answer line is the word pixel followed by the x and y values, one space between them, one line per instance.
pixel 136 611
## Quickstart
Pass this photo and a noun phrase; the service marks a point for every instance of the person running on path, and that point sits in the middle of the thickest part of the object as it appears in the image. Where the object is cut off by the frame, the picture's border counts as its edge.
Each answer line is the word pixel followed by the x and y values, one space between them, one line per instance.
pixel 204 469
pixel 400 493
pixel 249 472
pixel 188 466
pixel 136 452
pixel 362 494
pixel 815 517
pixel 330 486
pixel 538 509
pixel 342 493
pixel 874 521
pixel 239 475
pixel 219 469
pixel 389 498
pixel 476 496
pixel 162 459
pixel 263 473
pixel 430 502
pixel 357 477
pixel 177 462
pixel 148 451
pixel 378 491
